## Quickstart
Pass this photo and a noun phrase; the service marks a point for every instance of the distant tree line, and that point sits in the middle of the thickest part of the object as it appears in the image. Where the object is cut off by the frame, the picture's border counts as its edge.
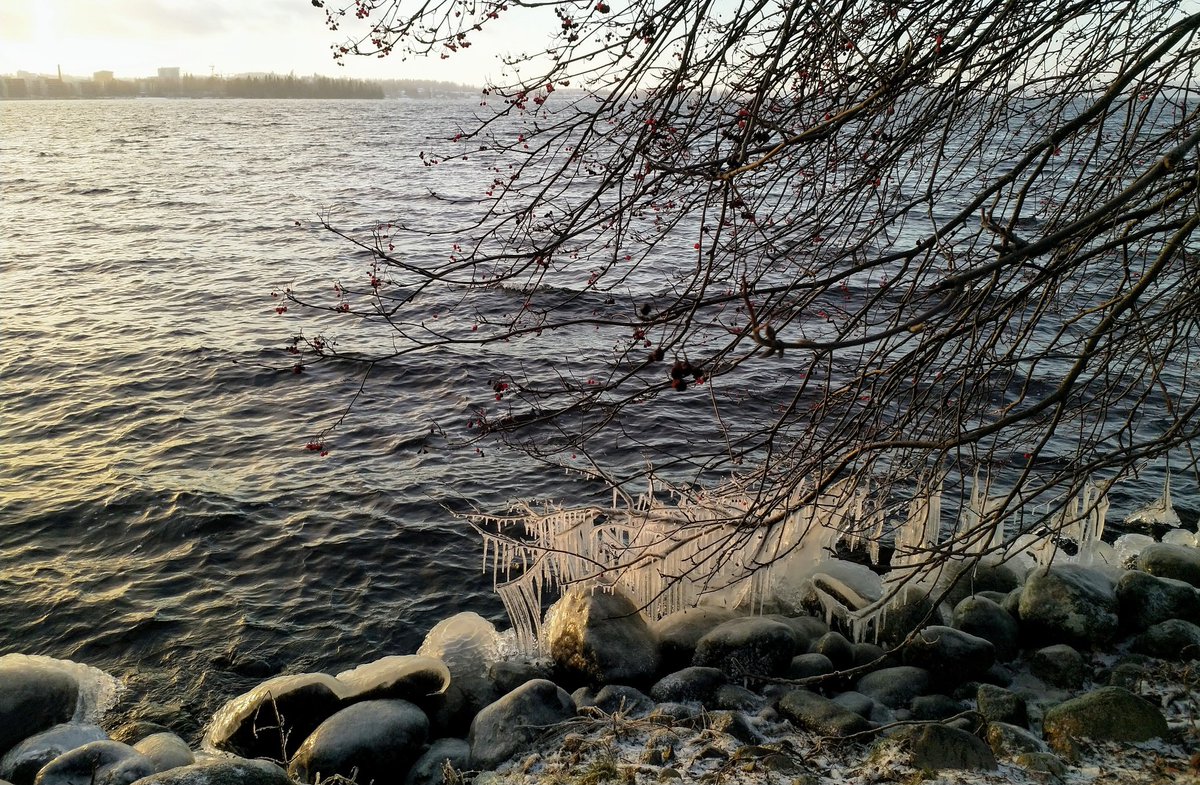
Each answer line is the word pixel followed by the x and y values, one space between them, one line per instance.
pixel 265 86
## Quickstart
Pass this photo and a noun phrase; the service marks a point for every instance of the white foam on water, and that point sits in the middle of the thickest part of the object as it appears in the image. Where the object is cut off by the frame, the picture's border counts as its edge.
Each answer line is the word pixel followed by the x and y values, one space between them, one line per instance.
pixel 98 691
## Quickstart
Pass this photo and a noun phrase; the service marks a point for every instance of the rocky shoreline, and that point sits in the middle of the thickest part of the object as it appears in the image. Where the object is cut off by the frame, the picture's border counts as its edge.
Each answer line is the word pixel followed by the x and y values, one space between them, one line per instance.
pixel 1066 673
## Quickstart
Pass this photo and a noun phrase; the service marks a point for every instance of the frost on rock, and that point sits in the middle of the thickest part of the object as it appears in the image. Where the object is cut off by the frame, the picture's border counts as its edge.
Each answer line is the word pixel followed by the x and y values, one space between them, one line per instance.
pixel 98 691
pixel 466 642
pixel 1180 537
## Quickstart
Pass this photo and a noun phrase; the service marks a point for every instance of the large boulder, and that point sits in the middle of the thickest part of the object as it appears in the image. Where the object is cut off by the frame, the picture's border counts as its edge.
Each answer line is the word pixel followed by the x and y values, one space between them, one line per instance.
pixel 972 577
pixel 1175 640
pixel 1059 666
pixel 600 638
pixel 512 723
pixel 271 720
pixel 984 618
pixel 418 679
pixel 751 646
pixel 1011 740
pixel 221 771
pixel 21 764
pixel 1106 714
pixel 809 711
pixel 467 644
pixel 894 687
pixel 836 647
pixel 1164 560
pixel 430 768
pixel 678 633
pixel 165 751
pixel 997 704
pixel 697 683
pixel 96 763
pixel 378 739
pixel 950 656
pixel 1144 600
pixel 1067 603
pixel 34 696
pixel 938 747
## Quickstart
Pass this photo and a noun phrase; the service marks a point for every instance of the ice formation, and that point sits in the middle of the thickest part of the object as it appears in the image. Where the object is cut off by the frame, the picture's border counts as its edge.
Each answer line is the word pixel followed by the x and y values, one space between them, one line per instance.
pixel 729 547
pixel 1160 512
pixel 98 691
pixel 466 642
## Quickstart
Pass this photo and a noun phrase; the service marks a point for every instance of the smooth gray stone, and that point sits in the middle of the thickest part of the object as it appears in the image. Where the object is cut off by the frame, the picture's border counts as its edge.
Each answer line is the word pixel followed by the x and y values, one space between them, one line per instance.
pixel 678 633
pixel 1164 560
pixel 250 724
pixel 221 771
pixel 96 763
pixel 33 697
pixel 836 647
pixel 431 766
pixel 690 684
pixel 805 666
pixel 940 747
pixel 748 647
pixel 894 687
pixel 629 701
pixel 950 656
pixel 1175 640
pixel 378 739
pixel 21 764
pixel 1058 666
pixel 1106 714
pixel 600 638
pixel 165 751
pixel 809 711
pixel 985 619
pixel 997 704
pixel 514 722
pixel 1011 740
pixel 1067 603
pixel 1145 600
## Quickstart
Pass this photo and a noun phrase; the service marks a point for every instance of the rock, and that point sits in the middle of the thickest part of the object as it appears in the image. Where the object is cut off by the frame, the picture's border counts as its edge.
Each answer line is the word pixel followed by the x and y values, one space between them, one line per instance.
pixel 997 704
pixel 1106 714
pixel 950 656
pixel 836 647
pixel 628 701
pixel 165 751
pixel 810 711
pixel 696 683
pixel 678 633
pixel 467 644
pixel 430 768
pixel 1175 640
pixel 1164 560
pixel 512 723
pixel 1043 762
pixel 804 666
pixel 414 678
pixel 1144 600
pixel 807 628
pixel 1067 603
pixel 940 747
pixel 972 578
pixel 935 708
pixel 34 696
pixel 912 609
pixel 1009 740
pixel 856 702
pixel 96 763
pixel 737 698
pixel 221 771
pixel 1012 603
pixel 749 646
pixel 21 764
pixel 734 724
pixel 507 675
pixel 871 654
pixel 136 730
pixel 1126 675
pixel 600 638
pixel 380 739
pixel 1058 666
pixel 985 619
pixel 894 687
pixel 255 724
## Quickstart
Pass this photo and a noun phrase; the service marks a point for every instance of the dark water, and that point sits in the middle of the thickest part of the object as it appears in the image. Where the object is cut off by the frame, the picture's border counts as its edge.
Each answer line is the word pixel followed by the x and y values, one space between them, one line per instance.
pixel 159 515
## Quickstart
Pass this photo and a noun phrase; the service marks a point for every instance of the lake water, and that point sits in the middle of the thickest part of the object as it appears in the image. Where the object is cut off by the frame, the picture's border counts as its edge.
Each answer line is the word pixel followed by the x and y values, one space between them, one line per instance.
pixel 159 515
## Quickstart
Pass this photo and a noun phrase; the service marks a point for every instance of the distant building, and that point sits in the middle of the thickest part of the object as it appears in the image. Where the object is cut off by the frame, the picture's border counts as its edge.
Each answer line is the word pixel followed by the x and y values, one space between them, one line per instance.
pixel 169 74
pixel 102 77
pixel 15 88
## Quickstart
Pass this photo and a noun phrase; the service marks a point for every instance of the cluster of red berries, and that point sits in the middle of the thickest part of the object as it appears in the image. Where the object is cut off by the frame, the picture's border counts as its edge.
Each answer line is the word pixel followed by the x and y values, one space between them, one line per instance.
pixel 679 373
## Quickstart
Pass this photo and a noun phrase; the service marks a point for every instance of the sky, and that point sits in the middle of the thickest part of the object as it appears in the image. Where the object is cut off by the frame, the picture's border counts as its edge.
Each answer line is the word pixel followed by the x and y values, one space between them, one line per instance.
pixel 136 37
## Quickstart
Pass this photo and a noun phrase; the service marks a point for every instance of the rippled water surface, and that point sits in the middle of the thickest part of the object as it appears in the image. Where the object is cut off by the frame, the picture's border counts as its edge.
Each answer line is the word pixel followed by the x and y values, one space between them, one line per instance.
pixel 159 515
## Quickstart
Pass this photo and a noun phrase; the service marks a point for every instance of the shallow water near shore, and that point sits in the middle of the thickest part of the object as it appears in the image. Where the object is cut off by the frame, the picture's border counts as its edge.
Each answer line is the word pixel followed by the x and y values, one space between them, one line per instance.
pixel 159 516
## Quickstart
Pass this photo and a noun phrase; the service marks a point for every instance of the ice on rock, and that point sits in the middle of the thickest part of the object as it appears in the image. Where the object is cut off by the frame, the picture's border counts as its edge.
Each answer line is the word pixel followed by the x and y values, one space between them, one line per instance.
pixel 1128 546
pixel 1160 512
pixel 466 642
pixel 1180 537
pixel 98 691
